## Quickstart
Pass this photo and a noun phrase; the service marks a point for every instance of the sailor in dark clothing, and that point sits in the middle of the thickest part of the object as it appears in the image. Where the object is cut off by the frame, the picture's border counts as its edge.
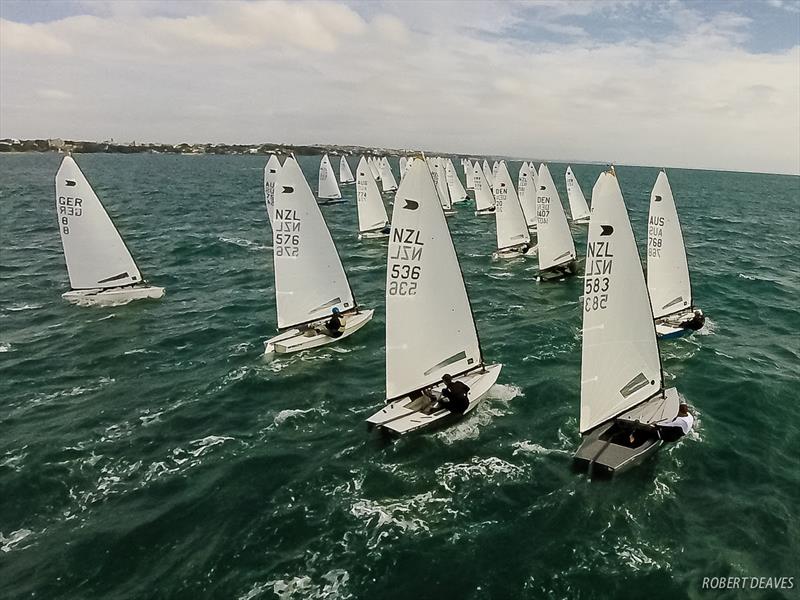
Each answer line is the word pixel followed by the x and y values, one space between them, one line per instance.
pixel 696 322
pixel 454 395
pixel 335 325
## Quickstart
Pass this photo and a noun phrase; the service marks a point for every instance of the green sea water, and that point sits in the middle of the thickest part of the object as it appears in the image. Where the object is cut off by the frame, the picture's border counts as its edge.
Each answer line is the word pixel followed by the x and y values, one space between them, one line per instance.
pixel 150 451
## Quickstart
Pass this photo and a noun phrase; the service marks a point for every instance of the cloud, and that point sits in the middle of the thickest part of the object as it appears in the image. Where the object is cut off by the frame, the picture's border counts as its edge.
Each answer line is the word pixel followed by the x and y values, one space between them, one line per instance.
pixel 35 39
pixel 476 77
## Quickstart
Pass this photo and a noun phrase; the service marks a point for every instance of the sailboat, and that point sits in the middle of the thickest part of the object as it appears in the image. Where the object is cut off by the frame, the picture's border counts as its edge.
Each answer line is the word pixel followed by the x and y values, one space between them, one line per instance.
pixel 309 278
pixel 345 174
pixel 372 219
pixel 374 168
pixel 428 333
pixel 270 175
pixel 622 385
pixel 487 174
pixel 101 270
pixel 667 268
pixel 328 189
pixel 484 199
pixel 556 247
pixel 527 194
pixel 577 203
pixel 403 164
pixel 439 180
pixel 388 181
pixel 513 238
pixel 469 174
pixel 457 191
pixel 495 169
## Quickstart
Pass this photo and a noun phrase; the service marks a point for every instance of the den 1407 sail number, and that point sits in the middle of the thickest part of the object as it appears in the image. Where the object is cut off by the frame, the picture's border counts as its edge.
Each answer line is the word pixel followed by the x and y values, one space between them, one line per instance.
pixel 403 272
pixel 599 262
pixel 287 233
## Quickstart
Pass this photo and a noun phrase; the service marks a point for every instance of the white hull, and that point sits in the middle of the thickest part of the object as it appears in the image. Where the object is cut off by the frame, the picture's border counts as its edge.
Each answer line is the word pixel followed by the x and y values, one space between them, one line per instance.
pixel 296 339
pixel 560 272
pixel 484 211
pixel 112 296
pixel 449 213
pixel 583 221
pixel 332 201
pixel 398 419
pixel 670 326
pixel 515 252
pixel 368 235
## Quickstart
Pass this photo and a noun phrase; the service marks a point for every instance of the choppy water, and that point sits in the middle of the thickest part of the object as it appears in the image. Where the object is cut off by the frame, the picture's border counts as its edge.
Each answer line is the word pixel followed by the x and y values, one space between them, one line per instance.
pixel 150 451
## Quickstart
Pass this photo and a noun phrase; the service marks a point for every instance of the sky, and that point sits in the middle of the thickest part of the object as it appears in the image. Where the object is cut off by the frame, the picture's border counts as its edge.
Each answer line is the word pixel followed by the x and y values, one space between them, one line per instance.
pixel 676 83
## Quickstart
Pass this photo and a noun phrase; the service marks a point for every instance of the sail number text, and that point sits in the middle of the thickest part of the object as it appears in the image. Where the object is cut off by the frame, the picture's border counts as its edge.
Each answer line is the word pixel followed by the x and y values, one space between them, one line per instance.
pixel 655 232
pixel 599 262
pixel 287 233
pixel 68 207
pixel 543 209
pixel 405 251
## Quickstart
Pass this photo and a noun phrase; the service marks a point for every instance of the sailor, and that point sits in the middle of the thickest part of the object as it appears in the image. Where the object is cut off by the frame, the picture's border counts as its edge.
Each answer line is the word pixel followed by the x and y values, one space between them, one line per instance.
pixel 454 395
pixel 674 429
pixel 696 322
pixel 335 325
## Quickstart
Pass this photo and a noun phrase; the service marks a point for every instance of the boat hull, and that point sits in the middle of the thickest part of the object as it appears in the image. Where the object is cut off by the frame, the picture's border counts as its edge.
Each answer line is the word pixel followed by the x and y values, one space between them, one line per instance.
pixel 375 234
pixel 400 417
pixel 559 272
pixel 297 339
pixel 112 296
pixel 484 211
pixel 515 252
pixel 583 221
pixel 332 201
pixel 670 327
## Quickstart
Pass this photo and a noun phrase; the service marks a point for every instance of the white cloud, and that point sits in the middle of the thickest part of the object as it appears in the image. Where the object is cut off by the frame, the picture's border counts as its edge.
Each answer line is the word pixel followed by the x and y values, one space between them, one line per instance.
pixel 418 75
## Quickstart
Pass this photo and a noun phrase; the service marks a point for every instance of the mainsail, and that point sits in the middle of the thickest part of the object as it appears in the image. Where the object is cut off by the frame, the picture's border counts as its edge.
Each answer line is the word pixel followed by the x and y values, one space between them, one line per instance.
pixel 484 200
pixel 577 203
pixel 556 246
pixel 527 193
pixel 345 174
pixel 371 211
pixel 621 366
pixel 328 188
pixel 667 268
pixel 428 332
pixel 512 230
pixel 94 251
pixel 309 277
pixel 457 191
pixel 270 175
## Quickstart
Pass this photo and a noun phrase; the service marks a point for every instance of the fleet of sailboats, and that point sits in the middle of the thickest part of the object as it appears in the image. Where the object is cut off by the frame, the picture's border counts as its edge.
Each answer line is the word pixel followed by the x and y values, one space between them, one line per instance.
pixel 431 336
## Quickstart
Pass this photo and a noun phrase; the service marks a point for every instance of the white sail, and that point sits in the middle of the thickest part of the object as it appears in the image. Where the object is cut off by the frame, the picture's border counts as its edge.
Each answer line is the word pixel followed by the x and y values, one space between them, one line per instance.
pixel 487 173
pixel 667 268
pixel 484 200
pixel 374 168
pixel 577 203
pixel 469 174
pixel 309 277
pixel 387 177
pixel 457 191
pixel 345 174
pixel 439 179
pixel 495 169
pixel 429 326
pixel 512 230
pixel 527 193
pixel 620 364
pixel 94 251
pixel 403 165
pixel 556 246
pixel 371 211
pixel 270 175
pixel 328 188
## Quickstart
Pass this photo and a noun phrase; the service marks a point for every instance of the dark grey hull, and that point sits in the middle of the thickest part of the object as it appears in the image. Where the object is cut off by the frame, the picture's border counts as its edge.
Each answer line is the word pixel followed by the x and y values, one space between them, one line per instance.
pixel 607 450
